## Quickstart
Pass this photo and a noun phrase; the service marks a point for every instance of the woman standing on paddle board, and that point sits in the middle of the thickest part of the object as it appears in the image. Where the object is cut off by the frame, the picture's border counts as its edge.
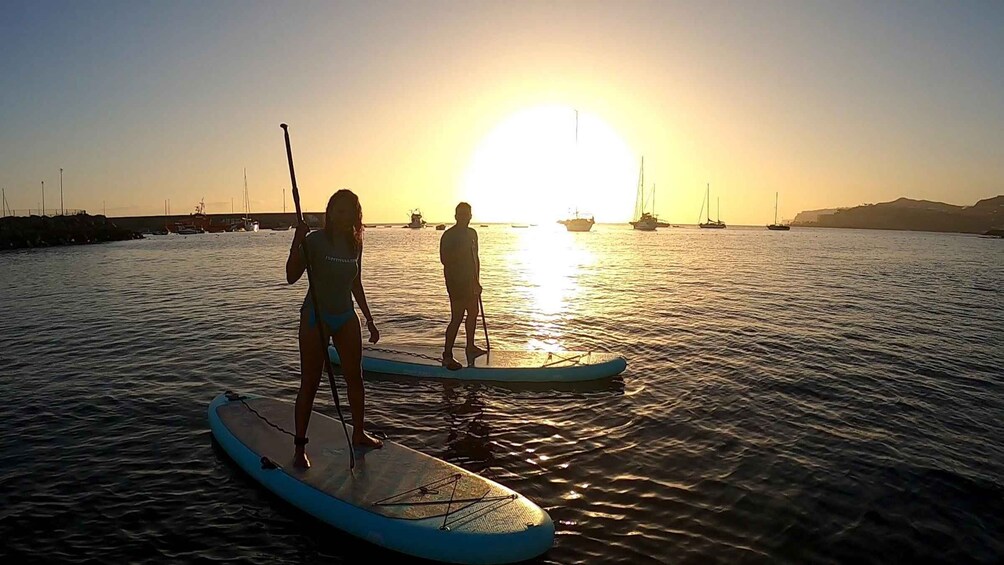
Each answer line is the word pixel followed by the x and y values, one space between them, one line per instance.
pixel 336 254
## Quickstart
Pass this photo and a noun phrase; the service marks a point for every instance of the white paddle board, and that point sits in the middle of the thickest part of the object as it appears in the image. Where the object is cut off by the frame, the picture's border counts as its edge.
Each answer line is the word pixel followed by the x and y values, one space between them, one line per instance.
pixel 395 497
pixel 504 366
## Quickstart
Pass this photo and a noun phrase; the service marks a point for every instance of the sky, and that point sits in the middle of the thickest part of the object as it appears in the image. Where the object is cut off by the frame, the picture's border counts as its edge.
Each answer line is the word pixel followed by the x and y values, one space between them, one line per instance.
pixel 526 109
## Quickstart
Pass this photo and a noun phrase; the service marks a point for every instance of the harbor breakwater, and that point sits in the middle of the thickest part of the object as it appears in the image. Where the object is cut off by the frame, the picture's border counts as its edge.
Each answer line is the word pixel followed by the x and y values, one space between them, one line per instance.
pixel 18 232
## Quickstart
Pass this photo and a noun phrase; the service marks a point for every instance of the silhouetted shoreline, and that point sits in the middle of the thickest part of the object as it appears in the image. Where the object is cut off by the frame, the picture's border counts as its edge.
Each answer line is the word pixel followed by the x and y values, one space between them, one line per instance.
pixel 17 232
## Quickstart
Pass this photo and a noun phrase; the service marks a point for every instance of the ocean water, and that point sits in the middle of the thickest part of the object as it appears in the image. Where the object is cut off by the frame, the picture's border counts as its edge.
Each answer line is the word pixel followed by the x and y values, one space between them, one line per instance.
pixel 812 396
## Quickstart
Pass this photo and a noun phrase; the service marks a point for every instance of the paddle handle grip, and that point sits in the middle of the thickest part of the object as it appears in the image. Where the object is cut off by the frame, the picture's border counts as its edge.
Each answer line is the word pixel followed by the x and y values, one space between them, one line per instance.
pixel 292 173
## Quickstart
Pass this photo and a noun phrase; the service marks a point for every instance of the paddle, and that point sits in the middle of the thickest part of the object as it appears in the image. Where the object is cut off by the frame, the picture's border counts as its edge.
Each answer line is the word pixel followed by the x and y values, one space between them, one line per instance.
pixel 484 325
pixel 313 300
pixel 488 344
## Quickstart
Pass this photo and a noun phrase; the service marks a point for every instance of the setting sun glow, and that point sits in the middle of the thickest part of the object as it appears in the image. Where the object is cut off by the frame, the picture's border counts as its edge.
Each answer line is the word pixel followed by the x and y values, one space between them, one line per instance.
pixel 531 168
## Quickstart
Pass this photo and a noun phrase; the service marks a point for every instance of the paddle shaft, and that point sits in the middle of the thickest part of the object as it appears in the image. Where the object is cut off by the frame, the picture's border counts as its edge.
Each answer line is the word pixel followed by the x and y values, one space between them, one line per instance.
pixel 488 344
pixel 314 303
pixel 484 324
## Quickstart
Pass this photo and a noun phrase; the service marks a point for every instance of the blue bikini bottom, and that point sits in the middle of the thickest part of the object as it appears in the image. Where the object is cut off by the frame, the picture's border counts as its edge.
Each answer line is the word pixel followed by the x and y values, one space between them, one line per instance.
pixel 334 322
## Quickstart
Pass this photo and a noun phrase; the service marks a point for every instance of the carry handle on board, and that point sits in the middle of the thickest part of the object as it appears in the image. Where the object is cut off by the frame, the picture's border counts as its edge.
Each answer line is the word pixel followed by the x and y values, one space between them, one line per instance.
pixel 313 300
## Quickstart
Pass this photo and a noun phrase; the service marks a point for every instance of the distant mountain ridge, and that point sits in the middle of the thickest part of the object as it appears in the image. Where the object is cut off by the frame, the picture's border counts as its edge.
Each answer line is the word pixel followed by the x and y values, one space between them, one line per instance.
pixel 909 214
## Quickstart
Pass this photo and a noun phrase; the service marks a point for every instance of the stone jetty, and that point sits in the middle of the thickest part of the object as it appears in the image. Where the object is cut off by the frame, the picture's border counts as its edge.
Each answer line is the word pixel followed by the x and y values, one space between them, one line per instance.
pixel 18 232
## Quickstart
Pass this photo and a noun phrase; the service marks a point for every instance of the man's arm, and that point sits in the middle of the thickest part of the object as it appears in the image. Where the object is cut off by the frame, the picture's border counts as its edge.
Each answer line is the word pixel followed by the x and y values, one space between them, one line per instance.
pixel 477 258
pixel 448 249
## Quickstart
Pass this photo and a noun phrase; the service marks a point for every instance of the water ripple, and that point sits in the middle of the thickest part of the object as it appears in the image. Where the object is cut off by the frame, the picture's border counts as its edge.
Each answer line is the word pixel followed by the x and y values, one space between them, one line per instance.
pixel 816 396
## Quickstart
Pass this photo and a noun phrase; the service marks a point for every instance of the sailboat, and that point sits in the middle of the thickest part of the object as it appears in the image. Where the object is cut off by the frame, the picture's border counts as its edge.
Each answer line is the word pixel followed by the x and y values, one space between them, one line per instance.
pixel 286 226
pixel 249 224
pixel 716 224
pixel 658 223
pixel 577 223
pixel 776 226
pixel 645 221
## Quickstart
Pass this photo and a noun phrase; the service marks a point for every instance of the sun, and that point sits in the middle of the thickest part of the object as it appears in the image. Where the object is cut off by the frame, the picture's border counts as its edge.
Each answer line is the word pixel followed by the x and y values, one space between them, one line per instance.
pixel 533 168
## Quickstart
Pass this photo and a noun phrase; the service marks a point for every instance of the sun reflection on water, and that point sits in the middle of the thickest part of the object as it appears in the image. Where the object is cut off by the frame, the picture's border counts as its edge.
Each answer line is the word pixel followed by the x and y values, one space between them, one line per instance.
pixel 547 264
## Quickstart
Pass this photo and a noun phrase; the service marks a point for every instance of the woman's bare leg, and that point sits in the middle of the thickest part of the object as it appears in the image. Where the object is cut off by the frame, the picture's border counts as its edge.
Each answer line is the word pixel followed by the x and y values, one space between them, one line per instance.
pixel 311 364
pixel 349 344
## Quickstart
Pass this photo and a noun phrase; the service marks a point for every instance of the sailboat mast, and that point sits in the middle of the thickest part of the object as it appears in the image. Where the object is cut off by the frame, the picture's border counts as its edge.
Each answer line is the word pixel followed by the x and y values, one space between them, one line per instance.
pixel 641 186
pixel 639 199
pixel 576 159
pixel 775 208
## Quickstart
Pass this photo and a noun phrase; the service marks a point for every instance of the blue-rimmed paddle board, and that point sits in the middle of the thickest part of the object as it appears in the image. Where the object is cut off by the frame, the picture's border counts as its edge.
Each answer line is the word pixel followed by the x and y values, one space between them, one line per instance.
pixel 396 497
pixel 503 366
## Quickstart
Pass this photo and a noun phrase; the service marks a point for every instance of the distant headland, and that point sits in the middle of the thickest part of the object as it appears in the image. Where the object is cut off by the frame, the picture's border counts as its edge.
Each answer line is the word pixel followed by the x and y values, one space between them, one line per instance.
pixel 984 217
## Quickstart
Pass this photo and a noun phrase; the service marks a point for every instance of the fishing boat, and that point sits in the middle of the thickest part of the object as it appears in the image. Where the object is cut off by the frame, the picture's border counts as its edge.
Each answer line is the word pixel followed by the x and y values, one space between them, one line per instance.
pixel 196 223
pixel 577 223
pixel 711 224
pixel 416 220
pixel 776 226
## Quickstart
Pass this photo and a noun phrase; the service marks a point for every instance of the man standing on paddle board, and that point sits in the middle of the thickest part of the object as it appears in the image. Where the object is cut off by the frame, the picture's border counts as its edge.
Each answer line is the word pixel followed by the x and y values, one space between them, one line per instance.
pixel 458 251
pixel 336 254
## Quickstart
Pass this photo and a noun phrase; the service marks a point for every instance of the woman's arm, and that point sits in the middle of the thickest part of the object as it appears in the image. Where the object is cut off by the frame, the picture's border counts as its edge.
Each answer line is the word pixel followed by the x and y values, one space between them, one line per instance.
pixel 360 294
pixel 295 264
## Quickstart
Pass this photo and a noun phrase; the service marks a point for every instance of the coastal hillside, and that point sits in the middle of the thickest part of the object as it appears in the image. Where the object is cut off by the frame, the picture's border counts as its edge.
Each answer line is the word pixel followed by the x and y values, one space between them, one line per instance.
pixel 809 216
pixel 913 215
